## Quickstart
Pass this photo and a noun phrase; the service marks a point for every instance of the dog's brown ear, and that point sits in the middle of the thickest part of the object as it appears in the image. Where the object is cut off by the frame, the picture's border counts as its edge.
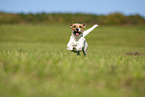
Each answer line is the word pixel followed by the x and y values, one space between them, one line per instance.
pixel 71 25
pixel 84 25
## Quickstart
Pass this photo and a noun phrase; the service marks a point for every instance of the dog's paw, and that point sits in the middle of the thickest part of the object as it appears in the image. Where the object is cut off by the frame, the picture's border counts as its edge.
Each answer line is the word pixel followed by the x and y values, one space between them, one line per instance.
pixel 74 48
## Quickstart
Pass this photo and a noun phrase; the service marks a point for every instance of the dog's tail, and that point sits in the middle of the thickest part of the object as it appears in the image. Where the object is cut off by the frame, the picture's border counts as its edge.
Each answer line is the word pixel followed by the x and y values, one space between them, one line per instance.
pixel 85 33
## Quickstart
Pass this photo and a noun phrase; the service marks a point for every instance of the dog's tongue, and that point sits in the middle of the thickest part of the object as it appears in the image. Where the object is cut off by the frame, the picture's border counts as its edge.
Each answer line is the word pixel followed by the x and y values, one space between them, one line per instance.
pixel 77 33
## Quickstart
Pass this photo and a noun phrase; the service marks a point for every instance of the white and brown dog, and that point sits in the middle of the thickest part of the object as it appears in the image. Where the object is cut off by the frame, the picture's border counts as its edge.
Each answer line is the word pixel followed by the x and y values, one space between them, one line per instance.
pixel 77 42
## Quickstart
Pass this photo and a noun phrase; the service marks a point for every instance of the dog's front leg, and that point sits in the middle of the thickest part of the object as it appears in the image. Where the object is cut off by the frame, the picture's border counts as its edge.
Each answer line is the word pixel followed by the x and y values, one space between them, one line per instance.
pixel 70 47
pixel 79 47
pixel 70 44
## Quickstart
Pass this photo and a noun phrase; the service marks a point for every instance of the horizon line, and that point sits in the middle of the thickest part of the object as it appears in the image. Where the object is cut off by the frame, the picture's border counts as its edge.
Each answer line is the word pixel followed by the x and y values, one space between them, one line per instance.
pixel 57 12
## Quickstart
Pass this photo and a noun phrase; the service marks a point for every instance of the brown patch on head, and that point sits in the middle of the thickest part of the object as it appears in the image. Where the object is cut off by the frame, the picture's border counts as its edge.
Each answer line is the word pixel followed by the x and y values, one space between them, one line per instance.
pixel 77 29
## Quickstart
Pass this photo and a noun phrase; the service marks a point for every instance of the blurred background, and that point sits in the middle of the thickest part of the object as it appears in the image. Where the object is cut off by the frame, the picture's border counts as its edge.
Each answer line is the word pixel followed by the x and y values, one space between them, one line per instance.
pixel 34 61
pixel 110 12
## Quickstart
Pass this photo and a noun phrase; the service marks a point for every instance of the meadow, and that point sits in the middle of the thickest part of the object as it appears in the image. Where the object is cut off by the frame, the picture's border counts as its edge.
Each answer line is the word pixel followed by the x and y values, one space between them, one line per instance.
pixel 34 62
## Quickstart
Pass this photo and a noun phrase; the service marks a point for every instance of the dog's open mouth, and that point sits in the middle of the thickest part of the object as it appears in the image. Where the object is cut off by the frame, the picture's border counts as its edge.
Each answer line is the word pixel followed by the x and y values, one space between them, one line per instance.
pixel 77 33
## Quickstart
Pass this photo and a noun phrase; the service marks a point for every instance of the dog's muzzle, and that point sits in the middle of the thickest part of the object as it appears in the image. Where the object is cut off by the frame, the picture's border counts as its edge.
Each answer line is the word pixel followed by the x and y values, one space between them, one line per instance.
pixel 77 32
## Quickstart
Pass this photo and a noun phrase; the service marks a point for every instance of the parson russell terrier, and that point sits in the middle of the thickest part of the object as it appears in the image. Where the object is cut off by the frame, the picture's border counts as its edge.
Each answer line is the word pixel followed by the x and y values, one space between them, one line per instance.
pixel 77 42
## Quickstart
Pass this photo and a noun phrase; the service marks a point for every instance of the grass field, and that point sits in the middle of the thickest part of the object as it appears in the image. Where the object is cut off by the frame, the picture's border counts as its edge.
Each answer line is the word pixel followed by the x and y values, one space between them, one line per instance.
pixel 34 62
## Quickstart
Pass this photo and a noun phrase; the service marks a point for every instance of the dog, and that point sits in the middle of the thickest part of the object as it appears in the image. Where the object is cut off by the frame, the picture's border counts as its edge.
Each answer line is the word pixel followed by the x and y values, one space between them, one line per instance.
pixel 77 42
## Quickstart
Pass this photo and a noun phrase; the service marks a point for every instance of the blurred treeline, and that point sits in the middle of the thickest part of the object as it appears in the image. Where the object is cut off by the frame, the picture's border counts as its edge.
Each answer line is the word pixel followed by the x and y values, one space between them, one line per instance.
pixel 45 18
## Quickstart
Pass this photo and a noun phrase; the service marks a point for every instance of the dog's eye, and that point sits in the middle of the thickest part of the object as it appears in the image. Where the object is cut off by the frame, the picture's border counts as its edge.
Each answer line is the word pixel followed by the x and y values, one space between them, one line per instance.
pixel 80 26
pixel 74 26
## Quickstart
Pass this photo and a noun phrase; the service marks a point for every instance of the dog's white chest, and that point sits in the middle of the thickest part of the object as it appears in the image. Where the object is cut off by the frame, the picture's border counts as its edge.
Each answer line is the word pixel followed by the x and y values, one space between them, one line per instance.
pixel 79 42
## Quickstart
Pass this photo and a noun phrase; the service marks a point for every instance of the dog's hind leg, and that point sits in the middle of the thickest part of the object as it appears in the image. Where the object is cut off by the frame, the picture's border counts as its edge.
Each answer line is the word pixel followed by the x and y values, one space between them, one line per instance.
pixel 85 48
pixel 78 53
pixel 84 52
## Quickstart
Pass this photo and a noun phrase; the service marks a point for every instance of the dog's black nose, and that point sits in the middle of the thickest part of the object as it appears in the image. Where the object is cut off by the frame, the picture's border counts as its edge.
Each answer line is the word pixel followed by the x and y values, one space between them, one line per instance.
pixel 77 29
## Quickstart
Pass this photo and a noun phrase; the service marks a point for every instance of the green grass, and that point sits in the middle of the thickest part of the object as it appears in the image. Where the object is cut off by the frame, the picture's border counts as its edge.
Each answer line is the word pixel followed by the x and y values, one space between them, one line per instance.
pixel 34 62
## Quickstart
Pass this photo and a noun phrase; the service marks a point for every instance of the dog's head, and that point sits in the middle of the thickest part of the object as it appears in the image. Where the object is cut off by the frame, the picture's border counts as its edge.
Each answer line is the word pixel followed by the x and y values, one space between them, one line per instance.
pixel 77 29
